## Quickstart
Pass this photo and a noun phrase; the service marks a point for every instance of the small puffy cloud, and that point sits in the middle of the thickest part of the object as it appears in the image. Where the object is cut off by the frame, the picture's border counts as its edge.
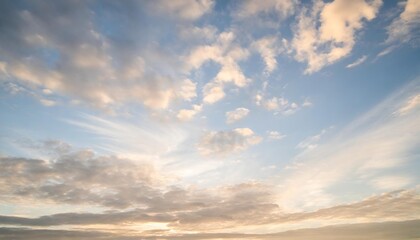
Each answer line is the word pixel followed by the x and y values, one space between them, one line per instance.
pixel 213 92
pixel 307 103
pixel 184 9
pixel 271 103
pixel 359 61
pixel 236 115
pixel 277 104
pixel 326 34
pixel 224 142
pixel 404 27
pixel 188 114
pixel 251 8
pixel 274 135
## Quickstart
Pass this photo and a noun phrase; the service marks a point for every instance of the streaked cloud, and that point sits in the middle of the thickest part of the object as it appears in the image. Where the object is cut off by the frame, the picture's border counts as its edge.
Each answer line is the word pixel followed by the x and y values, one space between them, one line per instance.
pixel 356 153
pixel 359 61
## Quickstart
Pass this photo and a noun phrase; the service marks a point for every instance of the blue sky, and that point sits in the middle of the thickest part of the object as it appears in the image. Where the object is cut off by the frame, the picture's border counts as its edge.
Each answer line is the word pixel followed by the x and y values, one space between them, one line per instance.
pixel 194 117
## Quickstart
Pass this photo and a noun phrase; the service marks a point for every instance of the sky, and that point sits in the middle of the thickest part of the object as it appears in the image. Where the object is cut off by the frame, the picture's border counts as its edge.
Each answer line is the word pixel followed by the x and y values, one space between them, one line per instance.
pixel 209 119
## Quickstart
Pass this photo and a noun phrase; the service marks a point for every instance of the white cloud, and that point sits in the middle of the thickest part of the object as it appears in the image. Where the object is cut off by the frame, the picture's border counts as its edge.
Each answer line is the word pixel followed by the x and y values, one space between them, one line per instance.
pixel 188 114
pixel 377 141
pixel 311 142
pixel 334 39
pixel 307 103
pixel 402 29
pixel 145 139
pixel 412 103
pixel 391 182
pixel 236 115
pixel 386 51
pixel 224 142
pixel 213 92
pixel 251 8
pixel 274 135
pixel 184 9
pixel 187 90
pixel 86 65
pixel 268 49
pixel 47 102
pixel 225 53
pixel 359 61
pixel 277 104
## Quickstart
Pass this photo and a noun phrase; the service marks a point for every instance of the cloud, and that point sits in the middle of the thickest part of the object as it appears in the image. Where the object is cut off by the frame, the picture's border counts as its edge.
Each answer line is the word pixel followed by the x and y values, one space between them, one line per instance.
pixel 249 8
pixel 307 103
pixel 213 92
pixel 185 10
pixel 359 61
pixel 391 182
pixel 205 33
pixel 224 142
pixel 225 53
pixel 406 26
pixel 79 177
pixel 188 114
pixel 246 204
pixel 376 142
pixel 187 90
pixel 278 104
pixel 145 139
pixel 274 135
pixel 268 49
pixel 411 105
pixel 135 192
pixel 80 62
pixel 312 141
pixel 362 231
pixel 236 115
pixel 334 39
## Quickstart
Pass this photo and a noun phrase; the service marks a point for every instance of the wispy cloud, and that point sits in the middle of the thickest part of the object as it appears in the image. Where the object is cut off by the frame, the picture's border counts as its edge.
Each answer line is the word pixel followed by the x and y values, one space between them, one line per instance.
pixel 379 140
pixel 359 61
